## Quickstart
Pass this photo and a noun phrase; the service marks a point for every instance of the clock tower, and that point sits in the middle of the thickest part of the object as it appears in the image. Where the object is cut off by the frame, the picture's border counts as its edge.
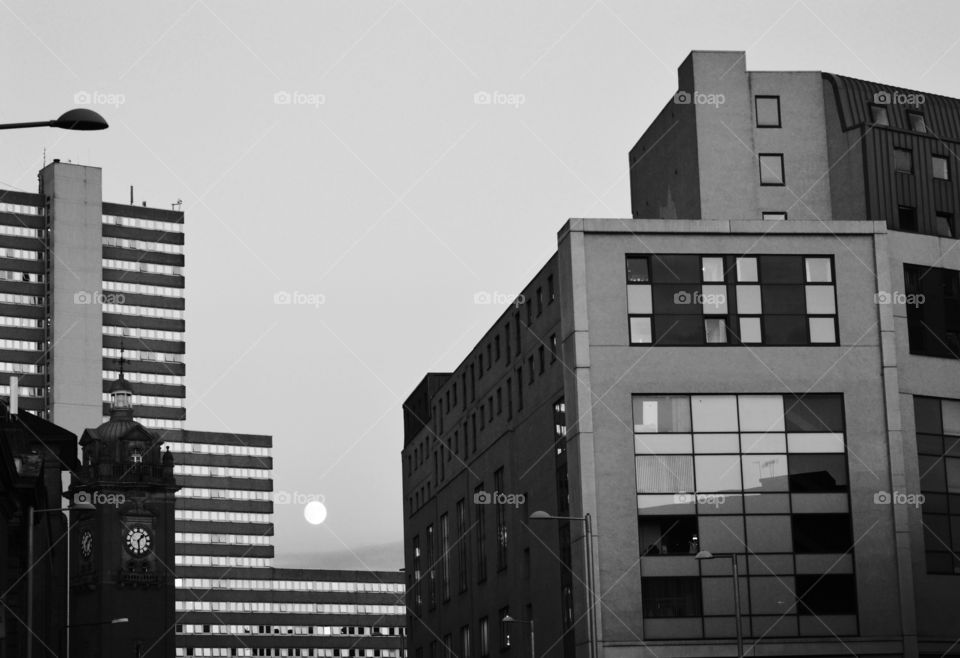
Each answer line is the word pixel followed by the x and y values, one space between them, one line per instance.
pixel 123 549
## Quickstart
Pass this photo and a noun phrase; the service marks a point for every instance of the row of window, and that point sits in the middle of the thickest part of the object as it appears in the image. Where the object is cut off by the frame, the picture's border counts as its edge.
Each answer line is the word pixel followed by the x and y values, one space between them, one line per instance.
pixel 152 400
pixel 903 163
pixel 144 311
pixel 225 494
pixel 675 299
pixel 240 629
pixel 142 289
pixel 157 423
pixel 222 471
pixel 880 116
pixel 20 254
pixel 218 449
pixel 282 651
pixel 938 445
pixel 289 608
pixel 21 368
pixel 20 345
pixel 208 538
pixel 140 266
pixel 25 323
pixel 141 355
pixel 143 245
pixel 19 209
pixel 221 561
pixel 227 517
pixel 24 277
pixel 26 300
pixel 17 230
pixel 289 585
pixel 137 222
pixel 143 377
pixel 22 391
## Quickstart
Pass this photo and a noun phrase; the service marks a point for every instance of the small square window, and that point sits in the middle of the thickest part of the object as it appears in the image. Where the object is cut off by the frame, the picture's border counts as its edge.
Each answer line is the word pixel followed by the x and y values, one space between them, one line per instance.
pixel 945 226
pixel 771 169
pixel 716 330
pixel 639 300
pixel 878 115
pixel 818 270
pixel 941 167
pixel 917 122
pixel 713 269
pixel 820 300
pixel 746 270
pixel 907 218
pixel 748 300
pixel 640 331
pixel 638 269
pixel 903 160
pixel 750 330
pixel 775 216
pixel 768 111
pixel 823 330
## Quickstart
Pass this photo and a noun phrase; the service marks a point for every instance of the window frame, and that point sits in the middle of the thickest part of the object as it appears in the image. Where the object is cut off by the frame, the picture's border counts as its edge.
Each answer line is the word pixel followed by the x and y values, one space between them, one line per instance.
pixel 783 169
pixel 756 111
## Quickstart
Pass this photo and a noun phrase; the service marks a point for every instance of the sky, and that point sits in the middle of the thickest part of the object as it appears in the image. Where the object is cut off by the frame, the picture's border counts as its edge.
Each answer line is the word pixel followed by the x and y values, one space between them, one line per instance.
pixel 340 156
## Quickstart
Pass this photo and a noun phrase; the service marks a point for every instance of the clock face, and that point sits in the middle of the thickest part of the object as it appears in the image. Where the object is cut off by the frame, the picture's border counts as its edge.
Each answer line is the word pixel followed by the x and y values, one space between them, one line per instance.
pixel 138 540
pixel 86 544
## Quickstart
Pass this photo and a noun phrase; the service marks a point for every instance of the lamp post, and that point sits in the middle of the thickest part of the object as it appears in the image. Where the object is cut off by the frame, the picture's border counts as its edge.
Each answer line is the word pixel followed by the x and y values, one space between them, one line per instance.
pixel 512 620
pixel 31 514
pixel 540 515
pixel 78 119
pixel 707 555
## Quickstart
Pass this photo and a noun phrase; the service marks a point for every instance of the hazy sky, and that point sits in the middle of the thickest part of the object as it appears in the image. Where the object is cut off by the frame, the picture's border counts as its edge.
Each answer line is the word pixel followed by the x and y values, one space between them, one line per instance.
pixel 379 186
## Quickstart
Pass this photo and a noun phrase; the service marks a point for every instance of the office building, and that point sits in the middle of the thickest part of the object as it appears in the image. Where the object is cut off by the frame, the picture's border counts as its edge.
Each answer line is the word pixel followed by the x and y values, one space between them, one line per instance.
pixel 713 386
pixel 81 280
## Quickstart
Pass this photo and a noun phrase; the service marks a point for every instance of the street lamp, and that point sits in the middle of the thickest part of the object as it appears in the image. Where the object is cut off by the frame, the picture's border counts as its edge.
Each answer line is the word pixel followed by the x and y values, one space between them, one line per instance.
pixel 77 119
pixel 540 515
pixel 707 555
pixel 31 514
pixel 512 620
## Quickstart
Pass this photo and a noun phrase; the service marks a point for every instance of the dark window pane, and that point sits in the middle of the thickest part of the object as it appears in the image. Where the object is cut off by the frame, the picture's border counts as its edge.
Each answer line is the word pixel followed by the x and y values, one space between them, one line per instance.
pixel 929 444
pixel 941 167
pixel 878 115
pixel 677 299
pixel 679 330
pixel 936 532
pixel 917 123
pixel 821 533
pixel 668 535
pixel 783 300
pixel 927 412
pixel 944 225
pixel 817 473
pixel 671 597
pixel 781 269
pixel 672 268
pixel 813 413
pixel 907 218
pixel 638 269
pixel 934 503
pixel 830 594
pixel 938 562
pixel 903 160
pixel 785 330
pixel 933 475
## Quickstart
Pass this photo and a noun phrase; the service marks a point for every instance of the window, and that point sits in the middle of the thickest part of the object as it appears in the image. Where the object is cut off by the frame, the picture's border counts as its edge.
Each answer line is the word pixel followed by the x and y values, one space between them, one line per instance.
pixel 541 355
pixel 668 535
pixel 907 219
pixel 671 597
pixel 464 642
pixel 878 115
pixel 498 486
pixel 553 347
pixel 775 216
pixel 539 302
pixel 463 564
pixel 933 310
pixel 821 533
pixel 768 111
pixel 940 166
pixel 938 429
pixel 444 558
pixel 817 473
pixel 480 533
pixel 944 226
pixel 551 291
pixel 530 372
pixel 917 122
pixel 829 594
pixel 771 169
pixel 484 636
pixel 903 160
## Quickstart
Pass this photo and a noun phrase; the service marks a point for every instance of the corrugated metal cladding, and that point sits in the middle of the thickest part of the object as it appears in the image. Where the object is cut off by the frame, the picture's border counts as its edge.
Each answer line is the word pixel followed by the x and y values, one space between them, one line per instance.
pixel 886 188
